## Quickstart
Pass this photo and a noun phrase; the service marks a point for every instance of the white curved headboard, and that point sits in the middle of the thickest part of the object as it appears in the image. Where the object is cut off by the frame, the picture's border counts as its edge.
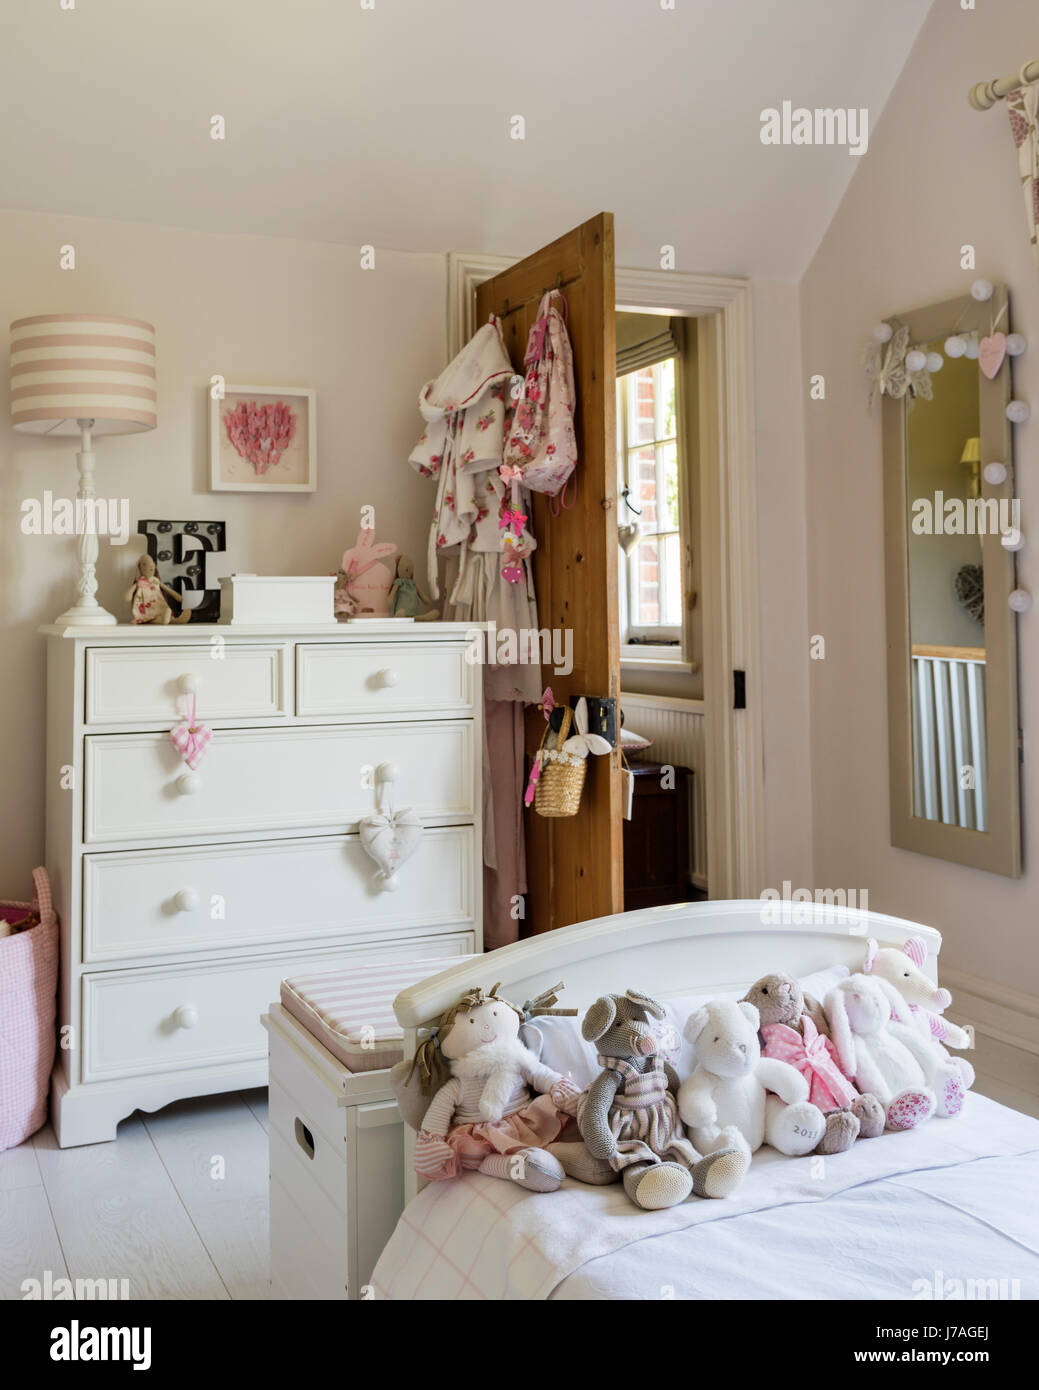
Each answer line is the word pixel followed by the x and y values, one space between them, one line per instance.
pixel 667 951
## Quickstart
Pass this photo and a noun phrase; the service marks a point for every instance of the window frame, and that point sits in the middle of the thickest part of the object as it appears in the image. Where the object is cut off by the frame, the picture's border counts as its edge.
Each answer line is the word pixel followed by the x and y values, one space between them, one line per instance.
pixel 651 642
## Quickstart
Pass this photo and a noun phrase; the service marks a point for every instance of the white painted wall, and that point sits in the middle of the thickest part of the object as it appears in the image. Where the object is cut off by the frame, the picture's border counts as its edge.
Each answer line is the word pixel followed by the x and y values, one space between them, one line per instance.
pixel 257 310
pixel 937 175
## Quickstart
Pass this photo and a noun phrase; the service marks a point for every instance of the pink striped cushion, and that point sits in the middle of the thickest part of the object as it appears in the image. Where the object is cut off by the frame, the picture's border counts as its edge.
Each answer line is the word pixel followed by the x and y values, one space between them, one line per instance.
pixel 350 1010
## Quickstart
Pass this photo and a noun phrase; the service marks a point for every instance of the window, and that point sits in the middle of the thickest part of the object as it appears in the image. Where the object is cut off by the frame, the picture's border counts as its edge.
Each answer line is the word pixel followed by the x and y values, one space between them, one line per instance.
pixel 648 471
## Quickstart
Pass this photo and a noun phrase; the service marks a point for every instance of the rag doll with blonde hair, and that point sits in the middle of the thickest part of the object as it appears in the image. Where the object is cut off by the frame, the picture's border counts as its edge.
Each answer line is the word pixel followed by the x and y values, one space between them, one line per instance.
pixel 495 1106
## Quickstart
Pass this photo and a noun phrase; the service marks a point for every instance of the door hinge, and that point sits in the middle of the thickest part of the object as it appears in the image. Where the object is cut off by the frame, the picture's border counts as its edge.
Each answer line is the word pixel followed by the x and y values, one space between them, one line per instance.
pixel 739 690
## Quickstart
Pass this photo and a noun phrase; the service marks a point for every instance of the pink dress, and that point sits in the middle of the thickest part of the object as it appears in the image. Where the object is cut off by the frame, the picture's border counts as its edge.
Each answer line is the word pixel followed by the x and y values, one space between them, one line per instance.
pixel 815 1057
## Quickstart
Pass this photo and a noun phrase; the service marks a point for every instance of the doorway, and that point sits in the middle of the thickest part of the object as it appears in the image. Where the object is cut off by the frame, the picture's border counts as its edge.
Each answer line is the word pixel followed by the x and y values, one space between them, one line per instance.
pixel 721 307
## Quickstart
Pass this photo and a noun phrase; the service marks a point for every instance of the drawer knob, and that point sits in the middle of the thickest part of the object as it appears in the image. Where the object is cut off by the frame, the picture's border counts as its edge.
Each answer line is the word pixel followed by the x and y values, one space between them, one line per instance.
pixel 388 772
pixel 186 1016
pixel 388 677
pixel 186 900
pixel 189 684
pixel 188 784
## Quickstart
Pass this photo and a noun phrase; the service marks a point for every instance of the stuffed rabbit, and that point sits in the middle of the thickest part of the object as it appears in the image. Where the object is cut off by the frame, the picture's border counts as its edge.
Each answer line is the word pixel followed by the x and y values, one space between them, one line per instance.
pixel 904 970
pixel 629 1116
pixel 364 584
pixel 789 1032
pixel 881 1050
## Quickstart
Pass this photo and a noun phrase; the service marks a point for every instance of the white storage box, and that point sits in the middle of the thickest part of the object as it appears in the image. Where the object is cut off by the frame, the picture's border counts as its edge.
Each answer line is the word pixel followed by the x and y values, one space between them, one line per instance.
pixel 260 599
pixel 336 1165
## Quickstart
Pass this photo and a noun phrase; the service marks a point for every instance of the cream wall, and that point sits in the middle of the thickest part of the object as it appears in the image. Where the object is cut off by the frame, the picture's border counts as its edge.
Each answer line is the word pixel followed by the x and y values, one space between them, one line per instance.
pixel 257 310
pixel 937 175
pixel 300 313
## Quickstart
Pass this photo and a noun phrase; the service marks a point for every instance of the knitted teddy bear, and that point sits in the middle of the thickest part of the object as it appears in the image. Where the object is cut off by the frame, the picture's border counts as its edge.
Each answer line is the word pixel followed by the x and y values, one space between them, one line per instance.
pixel 735 1097
pixel 484 1114
pixel 628 1115
pixel 882 1051
pixel 904 970
pixel 789 1032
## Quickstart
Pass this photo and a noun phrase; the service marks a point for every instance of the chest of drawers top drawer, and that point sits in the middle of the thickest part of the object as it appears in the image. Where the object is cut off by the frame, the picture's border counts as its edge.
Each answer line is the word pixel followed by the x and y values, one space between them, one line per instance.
pixel 152 684
pixel 381 680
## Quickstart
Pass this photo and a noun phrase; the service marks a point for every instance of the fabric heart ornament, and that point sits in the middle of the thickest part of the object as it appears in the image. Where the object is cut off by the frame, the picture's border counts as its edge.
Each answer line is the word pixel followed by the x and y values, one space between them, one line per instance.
pixel 391 840
pixel 191 738
pixel 991 352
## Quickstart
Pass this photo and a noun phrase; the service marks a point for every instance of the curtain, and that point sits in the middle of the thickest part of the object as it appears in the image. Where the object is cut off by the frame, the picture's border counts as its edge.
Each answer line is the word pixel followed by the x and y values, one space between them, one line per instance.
pixel 1023 106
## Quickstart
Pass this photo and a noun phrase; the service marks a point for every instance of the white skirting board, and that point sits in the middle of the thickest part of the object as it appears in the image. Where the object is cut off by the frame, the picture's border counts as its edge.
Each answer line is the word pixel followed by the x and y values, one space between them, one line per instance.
pixel 1006 1036
pixel 676 728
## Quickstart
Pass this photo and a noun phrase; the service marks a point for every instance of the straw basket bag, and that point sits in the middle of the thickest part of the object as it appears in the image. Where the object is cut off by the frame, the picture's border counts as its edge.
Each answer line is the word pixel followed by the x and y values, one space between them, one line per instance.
pixel 562 775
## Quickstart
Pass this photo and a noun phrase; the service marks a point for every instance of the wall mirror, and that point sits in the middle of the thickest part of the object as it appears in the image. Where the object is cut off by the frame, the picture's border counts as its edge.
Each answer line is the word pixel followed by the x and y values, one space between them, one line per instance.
pixel 950 522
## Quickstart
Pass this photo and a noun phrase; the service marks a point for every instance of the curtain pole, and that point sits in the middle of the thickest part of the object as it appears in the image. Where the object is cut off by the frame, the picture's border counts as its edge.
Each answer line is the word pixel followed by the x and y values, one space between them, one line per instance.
pixel 984 95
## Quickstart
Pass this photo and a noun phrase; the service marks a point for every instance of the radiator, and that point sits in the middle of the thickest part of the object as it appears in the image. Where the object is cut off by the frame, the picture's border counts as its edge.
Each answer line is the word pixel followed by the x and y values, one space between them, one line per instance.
pixel 676 728
pixel 949 741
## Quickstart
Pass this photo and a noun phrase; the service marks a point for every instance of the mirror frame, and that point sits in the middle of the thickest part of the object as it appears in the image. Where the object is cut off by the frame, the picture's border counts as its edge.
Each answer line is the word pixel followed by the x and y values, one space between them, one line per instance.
pixel 997 850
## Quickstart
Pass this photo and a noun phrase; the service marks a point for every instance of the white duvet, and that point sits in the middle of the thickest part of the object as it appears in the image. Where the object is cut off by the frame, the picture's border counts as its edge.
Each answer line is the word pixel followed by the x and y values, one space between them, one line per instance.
pixel 910 1215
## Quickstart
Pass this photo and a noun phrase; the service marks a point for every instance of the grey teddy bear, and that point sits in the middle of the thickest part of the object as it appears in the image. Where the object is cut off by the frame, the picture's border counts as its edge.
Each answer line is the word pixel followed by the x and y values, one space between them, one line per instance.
pixel 628 1115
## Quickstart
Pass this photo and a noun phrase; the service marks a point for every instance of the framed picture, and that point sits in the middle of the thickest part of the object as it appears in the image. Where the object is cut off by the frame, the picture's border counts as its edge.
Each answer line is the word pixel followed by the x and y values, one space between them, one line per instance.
pixel 263 439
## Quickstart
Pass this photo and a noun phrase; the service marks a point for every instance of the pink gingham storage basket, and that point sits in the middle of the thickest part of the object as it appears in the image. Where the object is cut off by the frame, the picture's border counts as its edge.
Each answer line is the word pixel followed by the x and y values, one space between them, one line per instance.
pixel 28 990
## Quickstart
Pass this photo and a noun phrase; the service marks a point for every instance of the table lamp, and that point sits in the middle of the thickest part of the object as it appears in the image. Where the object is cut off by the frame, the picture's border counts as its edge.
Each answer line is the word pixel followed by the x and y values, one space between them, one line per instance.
pixel 83 374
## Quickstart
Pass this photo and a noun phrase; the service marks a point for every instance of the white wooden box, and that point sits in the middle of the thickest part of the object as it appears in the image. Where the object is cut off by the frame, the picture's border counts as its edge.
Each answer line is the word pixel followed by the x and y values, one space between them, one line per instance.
pixel 262 599
pixel 336 1165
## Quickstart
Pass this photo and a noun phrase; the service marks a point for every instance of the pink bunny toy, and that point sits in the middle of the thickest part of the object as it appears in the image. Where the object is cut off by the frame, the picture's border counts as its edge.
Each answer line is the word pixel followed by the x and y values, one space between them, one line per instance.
pixel 367 582
pixel 904 970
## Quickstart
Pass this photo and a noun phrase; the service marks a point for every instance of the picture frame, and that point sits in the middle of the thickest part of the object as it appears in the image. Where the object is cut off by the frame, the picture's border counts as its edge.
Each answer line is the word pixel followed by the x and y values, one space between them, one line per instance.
pixel 273 452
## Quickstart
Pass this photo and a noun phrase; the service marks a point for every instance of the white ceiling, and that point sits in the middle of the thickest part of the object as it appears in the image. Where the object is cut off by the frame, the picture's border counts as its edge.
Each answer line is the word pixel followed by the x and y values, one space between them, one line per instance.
pixel 390 125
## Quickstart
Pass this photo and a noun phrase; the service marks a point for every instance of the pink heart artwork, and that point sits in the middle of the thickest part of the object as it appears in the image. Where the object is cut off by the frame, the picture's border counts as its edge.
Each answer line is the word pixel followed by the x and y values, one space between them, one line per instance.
pixel 991 352
pixel 260 433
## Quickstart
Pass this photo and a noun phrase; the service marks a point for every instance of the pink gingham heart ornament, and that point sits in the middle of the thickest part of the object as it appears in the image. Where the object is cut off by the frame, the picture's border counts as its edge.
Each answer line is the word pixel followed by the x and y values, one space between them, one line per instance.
pixel 991 352
pixel 191 740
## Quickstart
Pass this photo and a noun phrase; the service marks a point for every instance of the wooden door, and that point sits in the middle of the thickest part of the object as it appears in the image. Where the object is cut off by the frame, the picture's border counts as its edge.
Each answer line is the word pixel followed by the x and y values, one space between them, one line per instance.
pixel 575 865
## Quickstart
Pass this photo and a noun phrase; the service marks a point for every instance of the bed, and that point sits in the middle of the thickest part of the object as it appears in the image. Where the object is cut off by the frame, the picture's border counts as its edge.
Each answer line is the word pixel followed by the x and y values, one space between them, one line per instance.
pixel 944 1211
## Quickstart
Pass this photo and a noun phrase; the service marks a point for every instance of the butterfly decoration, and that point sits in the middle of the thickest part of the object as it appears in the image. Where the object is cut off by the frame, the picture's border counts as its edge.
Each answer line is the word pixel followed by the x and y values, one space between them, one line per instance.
pixel 191 738
pixel 582 743
pixel 885 365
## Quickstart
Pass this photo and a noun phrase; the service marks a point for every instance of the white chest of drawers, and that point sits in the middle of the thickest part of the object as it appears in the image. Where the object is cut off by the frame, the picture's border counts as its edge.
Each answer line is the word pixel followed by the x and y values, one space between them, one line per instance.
pixel 185 897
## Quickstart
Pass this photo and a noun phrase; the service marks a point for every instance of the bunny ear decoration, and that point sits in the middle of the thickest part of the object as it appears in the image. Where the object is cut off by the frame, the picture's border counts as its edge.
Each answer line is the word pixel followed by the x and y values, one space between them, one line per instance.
pixel 916 950
pixel 871 955
pixel 582 743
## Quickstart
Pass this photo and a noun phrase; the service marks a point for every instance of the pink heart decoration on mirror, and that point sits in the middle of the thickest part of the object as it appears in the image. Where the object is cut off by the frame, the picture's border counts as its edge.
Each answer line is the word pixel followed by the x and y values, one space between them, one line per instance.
pixel 991 352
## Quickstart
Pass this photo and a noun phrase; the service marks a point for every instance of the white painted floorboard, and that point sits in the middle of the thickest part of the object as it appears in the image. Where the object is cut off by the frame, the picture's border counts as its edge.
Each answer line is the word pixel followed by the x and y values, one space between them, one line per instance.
pixel 177 1205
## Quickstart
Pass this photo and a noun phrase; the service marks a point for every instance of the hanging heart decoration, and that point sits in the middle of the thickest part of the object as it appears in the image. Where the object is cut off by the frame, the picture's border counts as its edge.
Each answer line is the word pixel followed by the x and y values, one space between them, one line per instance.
pixel 191 738
pixel 390 840
pixel 991 352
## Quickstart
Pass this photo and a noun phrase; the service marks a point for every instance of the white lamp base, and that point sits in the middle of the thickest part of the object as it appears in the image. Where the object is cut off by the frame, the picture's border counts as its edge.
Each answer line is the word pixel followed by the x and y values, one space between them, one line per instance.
pixel 84 616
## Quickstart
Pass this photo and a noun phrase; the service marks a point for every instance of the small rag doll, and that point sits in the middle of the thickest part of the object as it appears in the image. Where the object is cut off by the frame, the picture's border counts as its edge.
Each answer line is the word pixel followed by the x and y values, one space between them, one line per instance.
pixel 485 1114
pixel 147 596
pixel 406 598
pixel 790 1032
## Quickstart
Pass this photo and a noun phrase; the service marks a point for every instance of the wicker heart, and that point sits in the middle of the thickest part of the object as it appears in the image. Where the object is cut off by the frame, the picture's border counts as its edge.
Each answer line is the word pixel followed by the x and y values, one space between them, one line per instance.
pixel 991 352
pixel 391 840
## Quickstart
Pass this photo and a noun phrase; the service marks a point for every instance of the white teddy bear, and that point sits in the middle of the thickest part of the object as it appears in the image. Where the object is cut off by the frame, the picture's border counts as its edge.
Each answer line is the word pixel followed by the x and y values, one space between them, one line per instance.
pixel 725 1100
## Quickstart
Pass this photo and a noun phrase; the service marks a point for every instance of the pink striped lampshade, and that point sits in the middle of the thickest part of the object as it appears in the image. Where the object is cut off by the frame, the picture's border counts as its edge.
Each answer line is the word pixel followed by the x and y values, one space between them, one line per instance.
pixel 69 367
